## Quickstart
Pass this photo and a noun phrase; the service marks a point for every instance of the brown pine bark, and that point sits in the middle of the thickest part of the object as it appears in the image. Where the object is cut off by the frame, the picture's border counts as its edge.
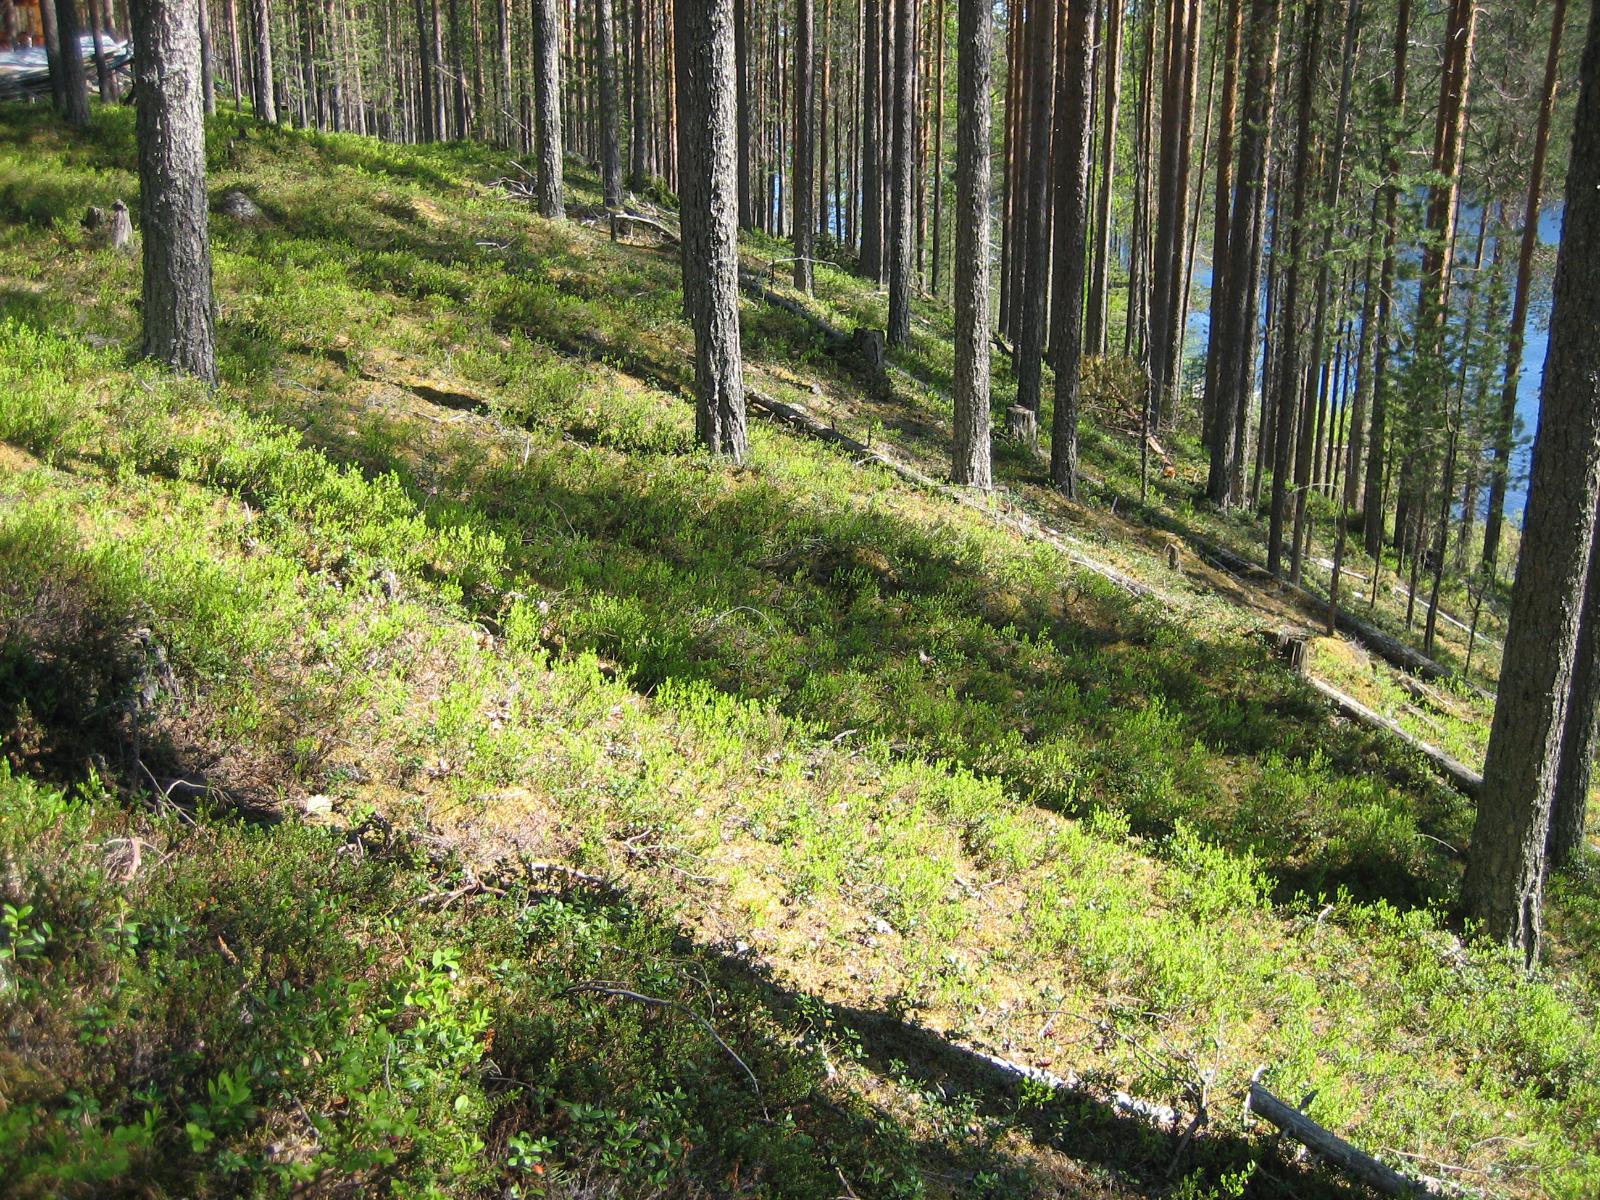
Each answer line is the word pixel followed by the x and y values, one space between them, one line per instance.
pixel 1034 203
pixel 1233 25
pixel 606 76
pixel 1504 884
pixel 1074 104
pixel 708 189
pixel 547 107
pixel 804 151
pixel 971 458
pixel 903 184
pixel 178 310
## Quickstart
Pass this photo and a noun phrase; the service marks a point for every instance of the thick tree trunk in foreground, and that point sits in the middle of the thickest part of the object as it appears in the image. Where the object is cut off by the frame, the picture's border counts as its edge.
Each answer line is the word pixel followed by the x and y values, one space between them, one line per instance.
pixel 971 462
pixel 904 181
pixel 709 191
pixel 1074 106
pixel 610 144
pixel 547 106
pixel 1504 884
pixel 1519 306
pixel 178 309
pixel 1569 804
pixel 805 219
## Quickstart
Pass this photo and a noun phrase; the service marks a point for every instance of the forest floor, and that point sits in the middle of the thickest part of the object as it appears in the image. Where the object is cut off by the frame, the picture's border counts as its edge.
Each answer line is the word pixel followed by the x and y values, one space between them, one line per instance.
pixel 386 722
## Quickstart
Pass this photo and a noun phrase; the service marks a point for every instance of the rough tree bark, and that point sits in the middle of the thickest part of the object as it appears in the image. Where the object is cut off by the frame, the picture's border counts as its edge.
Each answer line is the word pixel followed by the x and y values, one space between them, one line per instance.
pixel 1034 203
pixel 1094 335
pixel 872 86
pixel 1074 106
pixel 971 460
pixel 74 79
pixel 170 125
pixel 547 106
pixel 1504 884
pixel 610 142
pixel 708 189
pixel 904 182
pixel 805 220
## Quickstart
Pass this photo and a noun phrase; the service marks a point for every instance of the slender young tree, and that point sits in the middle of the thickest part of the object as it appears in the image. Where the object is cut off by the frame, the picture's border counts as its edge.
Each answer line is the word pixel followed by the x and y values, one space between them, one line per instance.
pixel 1095 321
pixel 547 107
pixel 709 192
pixel 606 76
pixel 1495 517
pixel 901 242
pixel 170 127
pixel 872 102
pixel 971 458
pixel 805 221
pixel 1504 884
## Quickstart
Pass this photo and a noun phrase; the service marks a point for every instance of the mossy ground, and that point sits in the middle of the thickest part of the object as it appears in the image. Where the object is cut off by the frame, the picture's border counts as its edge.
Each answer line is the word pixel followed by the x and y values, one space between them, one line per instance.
pixel 438 574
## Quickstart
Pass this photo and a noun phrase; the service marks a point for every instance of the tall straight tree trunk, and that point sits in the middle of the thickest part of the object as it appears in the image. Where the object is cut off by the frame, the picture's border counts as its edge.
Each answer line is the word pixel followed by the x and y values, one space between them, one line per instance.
pixel 1580 736
pixel 805 219
pixel 902 233
pixel 1221 209
pixel 1494 520
pixel 1010 158
pixel 742 98
pixel 1290 382
pixel 1363 369
pixel 428 83
pixel 873 87
pixel 610 141
pixel 547 106
pixel 1034 279
pixel 1372 503
pixel 823 208
pixel 1233 326
pixel 1095 320
pixel 1504 884
pixel 639 105
pixel 975 35
pixel 52 52
pixel 1075 108
pixel 1136 337
pixel 107 79
pixel 178 310
pixel 708 187
pixel 74 79
pixel 938 144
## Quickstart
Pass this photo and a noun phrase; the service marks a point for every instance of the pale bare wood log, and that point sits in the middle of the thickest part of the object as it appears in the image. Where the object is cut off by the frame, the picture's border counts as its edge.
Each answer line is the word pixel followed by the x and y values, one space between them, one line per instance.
pixel 1462 777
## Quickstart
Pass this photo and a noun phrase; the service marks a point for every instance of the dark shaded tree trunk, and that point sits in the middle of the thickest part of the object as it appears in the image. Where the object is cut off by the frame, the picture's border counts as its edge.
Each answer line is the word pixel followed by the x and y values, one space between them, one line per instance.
pixel 903 184
pixel 1580 736
pixel 708 185
pixel 804 184
pixel 971 460
pixel 1233 330
pixel 178 310
pixel 1074 106
pixel 74 79
pixel 610 141
pixel 1504 884
pixel 873 86
pixel 639 123
pixel 547 107
pixel 52 52
pixel 1222 211
pixel 1495 518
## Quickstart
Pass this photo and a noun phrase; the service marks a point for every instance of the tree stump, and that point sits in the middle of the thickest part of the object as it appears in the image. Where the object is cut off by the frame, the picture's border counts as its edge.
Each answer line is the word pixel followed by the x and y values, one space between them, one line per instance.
pixel 121 237
pixel 1022 426
pixel 869 344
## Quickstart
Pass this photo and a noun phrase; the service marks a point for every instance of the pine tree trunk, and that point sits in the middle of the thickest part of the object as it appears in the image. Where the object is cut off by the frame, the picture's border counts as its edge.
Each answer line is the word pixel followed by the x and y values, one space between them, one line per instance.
pixel 74 79
pixel 1580 736
pixel 610 143
pixel 872 94
pixel 1222 211
pixel 1494 520
pixel 52 52
pixel 902 231
pixel 971 459
pixel 708 187
pixel 805 219
pixel 1034 204
pixel 1096 318
pixel 1074 105
pixel 177 307
pixel 1233 328
pixel 547 107
pixel 1504 884
pixel 938 145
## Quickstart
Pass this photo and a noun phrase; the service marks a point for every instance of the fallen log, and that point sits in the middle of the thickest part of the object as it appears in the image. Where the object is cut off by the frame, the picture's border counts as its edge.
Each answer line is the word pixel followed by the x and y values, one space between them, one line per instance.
pixel 1334 1149
pixel 1462 777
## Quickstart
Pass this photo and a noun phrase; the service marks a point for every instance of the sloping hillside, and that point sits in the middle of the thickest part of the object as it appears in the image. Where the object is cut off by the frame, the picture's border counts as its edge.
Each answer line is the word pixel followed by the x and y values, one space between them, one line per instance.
pixel 427 768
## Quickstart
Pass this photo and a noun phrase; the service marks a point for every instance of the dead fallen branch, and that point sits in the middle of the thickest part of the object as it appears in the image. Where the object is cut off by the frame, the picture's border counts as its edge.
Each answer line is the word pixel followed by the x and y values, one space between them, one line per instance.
pixel 1462 777
pixel 1334 1149
pixel 599 987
